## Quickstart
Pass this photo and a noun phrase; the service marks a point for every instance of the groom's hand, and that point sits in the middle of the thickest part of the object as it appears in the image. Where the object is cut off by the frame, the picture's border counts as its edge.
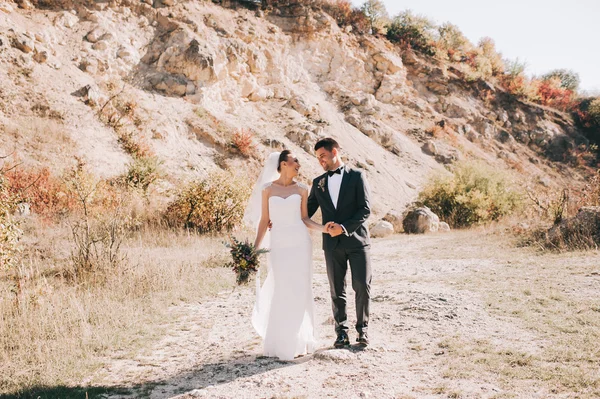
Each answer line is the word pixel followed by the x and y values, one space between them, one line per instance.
pixel 335 230
pixel 270 225
pixel 327 226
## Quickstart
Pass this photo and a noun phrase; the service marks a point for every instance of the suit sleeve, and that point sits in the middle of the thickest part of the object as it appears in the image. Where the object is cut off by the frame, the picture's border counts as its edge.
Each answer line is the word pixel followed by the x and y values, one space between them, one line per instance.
pixel 312 202
pixel 363 202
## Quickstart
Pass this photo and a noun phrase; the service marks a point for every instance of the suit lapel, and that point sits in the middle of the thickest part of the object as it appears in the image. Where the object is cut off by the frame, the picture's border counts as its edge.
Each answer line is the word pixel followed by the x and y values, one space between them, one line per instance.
pixel 326 192
pixel 344 184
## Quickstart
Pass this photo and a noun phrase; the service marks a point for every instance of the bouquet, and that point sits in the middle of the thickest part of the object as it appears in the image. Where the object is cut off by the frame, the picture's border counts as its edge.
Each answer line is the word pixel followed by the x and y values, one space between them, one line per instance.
pixel 245 259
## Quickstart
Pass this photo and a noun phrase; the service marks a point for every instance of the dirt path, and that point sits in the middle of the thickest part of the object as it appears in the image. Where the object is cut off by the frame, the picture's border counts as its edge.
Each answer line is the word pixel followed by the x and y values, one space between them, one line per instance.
pixel 211 350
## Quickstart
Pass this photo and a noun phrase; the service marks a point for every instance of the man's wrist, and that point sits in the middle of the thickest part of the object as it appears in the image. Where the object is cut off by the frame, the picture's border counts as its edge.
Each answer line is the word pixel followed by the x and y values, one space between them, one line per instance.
pixel 343 228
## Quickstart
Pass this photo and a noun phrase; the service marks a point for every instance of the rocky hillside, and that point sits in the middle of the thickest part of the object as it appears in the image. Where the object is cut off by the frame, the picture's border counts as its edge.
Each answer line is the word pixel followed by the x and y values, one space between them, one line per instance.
pixel 177 79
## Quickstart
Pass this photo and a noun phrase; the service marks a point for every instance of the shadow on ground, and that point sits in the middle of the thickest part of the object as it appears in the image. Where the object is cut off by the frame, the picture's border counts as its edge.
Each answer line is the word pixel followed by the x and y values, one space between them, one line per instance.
pixel 206 375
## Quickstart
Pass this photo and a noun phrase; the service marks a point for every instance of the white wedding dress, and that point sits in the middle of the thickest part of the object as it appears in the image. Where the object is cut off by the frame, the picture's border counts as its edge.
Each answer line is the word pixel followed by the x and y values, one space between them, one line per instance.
pixel 284 310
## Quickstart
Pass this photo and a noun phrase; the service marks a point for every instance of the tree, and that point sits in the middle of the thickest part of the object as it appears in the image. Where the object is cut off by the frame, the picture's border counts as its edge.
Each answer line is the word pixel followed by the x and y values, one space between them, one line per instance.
pixel 488 50
pixel 568 79
pixel 413 30
pixel 376 13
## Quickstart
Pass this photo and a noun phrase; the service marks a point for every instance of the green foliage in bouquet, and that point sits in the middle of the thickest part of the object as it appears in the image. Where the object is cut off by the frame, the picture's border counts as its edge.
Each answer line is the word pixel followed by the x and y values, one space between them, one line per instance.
pixel 244 259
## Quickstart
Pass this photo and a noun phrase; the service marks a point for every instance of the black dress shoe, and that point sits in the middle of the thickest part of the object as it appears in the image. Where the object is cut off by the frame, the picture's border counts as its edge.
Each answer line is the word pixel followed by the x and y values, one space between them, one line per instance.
pixel 341 341
pixel 363 339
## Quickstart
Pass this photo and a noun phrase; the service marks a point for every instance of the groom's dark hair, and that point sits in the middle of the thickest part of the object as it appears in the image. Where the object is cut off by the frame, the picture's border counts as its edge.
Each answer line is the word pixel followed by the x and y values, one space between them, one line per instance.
pixel 328 143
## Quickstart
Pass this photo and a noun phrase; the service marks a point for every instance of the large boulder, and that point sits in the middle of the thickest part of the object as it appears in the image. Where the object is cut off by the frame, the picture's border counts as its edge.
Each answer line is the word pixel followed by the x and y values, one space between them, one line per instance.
pixel 382 229
pixel 420 220
pixel 394 218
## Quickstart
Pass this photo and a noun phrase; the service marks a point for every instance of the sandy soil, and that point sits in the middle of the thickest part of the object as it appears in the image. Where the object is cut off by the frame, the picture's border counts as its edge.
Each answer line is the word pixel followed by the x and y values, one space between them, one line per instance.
pixel 419 301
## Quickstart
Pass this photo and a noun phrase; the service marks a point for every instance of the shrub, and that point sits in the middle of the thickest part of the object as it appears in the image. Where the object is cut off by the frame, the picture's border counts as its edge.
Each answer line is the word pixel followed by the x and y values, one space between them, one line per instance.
pixel 97 231
pixel 215 204
pixel 552 94
pixel 587 115
pixel 142 172
pixel 521 86
pixel 346 15
pixel 243 141
pixel 574 225
pixel 453 42
pixel 475 193
pixel 488 51
pixel 415 31
pixel 45 193
pixel 568 79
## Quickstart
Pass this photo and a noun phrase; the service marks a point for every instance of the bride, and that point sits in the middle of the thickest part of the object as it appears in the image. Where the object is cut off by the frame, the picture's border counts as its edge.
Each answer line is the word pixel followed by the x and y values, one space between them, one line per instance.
pixel 284 310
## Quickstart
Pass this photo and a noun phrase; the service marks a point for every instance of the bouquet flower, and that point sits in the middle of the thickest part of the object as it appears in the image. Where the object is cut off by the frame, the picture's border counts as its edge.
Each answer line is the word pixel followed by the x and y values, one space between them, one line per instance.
pixel 245 259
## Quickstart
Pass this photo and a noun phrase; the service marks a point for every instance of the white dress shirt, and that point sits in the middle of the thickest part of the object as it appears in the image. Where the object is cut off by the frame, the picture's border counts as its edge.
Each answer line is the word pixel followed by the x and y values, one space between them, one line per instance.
pixel 334 183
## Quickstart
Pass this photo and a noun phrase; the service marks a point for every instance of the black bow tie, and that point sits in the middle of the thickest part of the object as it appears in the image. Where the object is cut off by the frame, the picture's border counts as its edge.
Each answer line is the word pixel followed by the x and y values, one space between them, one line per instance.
pixel 333 172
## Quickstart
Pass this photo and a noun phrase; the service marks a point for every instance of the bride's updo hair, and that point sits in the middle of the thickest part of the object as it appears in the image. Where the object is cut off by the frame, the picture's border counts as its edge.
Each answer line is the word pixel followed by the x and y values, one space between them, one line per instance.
pixel 282 158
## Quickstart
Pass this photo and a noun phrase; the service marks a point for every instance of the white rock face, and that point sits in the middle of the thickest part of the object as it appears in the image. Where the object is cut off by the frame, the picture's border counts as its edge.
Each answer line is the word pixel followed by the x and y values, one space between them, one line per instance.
pixel 5 7
pixel 198 71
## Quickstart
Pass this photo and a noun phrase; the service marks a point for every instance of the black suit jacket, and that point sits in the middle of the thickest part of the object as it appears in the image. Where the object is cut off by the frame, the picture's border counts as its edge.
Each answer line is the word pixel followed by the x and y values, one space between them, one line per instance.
pixel 352 210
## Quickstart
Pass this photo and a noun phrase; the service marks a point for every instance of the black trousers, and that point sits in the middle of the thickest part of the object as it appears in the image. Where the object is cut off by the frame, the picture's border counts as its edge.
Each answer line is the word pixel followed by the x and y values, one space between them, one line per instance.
pixel 360 266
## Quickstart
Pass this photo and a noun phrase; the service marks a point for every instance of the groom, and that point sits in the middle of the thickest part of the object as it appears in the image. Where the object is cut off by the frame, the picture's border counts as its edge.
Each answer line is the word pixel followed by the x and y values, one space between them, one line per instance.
pixel 342 194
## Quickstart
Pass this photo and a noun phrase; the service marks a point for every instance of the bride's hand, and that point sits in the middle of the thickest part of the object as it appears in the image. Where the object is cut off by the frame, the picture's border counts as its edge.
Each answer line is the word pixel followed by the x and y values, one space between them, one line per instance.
pixel 327 226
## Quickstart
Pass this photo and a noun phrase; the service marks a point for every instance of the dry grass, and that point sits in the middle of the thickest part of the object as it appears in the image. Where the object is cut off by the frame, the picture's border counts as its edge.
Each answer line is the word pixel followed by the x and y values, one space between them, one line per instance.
pixel 54 332
pixel 43 140
pixel 551 296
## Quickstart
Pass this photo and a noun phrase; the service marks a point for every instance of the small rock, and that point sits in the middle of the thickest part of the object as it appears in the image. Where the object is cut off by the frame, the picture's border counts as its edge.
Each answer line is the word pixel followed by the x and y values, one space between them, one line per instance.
pixel 429 148
pixel 353 120
pixel 23 43
pixel 100 46
pixel 23 209
pixel 40 57
pixel 248 87
pixel 89 65
pixel 544 181
pixel 124 53
pixel 382 229
pixel 94 35
pixel 299 106
pixel 259 95
pixel 472 136
pixel 395 219
pixel 25 4
pixel 335 355
pixel 172 85
pixel 444 227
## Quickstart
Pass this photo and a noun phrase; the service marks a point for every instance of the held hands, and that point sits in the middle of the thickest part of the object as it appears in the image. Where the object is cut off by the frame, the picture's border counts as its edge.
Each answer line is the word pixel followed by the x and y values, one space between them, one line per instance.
pixel 333 229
